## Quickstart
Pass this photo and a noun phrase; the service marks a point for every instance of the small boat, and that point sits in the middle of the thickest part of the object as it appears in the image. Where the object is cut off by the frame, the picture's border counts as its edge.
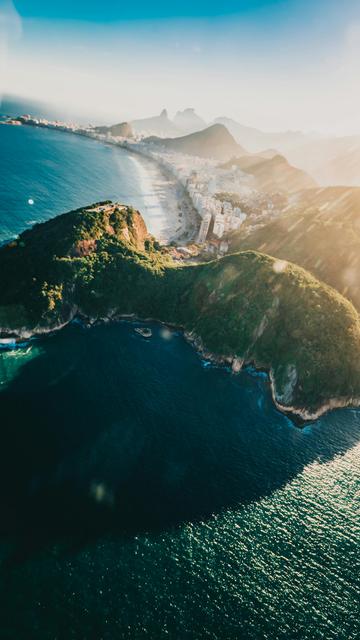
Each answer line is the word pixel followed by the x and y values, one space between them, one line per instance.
pixel 8 342
pixel 145 332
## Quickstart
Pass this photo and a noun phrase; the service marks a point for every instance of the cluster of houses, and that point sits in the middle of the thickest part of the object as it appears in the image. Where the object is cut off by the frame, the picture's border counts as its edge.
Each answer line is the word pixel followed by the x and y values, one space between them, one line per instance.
pixel 217 217
pixel 49 124
pixel 203 179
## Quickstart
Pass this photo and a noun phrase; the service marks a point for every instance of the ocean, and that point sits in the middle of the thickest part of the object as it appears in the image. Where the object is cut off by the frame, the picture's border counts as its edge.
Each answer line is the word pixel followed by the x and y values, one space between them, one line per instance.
pixel 146 493
pixel 45 172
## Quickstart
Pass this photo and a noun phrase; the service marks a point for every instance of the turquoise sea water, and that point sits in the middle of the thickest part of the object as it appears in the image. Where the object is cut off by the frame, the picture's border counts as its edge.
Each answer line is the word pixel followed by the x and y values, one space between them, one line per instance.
pixel 147 495
pixel 58 171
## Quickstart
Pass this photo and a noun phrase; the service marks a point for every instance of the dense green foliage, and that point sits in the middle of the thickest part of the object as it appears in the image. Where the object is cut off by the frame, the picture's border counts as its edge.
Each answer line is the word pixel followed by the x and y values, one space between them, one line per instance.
pixel 100 261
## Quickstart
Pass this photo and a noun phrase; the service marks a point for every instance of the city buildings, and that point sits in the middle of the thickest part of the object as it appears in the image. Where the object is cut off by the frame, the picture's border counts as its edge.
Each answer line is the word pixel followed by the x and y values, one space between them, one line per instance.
pixel 223 197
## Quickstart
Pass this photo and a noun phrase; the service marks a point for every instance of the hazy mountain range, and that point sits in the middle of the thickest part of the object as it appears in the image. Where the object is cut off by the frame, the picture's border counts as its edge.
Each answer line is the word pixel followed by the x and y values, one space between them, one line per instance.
pixel 273 173
pixel 329 160
pixel 186 121
pixel 160 125
pixel 256 140
pixel 270 171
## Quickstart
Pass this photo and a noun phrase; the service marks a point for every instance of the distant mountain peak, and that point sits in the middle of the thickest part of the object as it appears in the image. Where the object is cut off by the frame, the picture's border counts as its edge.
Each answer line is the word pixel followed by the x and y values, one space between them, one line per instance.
pixel 189 111
pixel 189 121
pixel 159 125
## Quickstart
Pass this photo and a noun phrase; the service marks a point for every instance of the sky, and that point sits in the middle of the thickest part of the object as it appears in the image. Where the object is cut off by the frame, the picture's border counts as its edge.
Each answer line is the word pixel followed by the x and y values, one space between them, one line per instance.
pixel 271 64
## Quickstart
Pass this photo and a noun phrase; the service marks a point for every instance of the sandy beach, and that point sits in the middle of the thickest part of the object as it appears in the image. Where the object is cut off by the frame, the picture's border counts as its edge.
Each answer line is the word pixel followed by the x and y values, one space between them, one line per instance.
pixel 168 211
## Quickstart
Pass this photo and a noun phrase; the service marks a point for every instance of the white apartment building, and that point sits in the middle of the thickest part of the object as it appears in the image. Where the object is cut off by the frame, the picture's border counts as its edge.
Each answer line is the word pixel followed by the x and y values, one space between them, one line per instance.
pixel 204 228
pixel 219 225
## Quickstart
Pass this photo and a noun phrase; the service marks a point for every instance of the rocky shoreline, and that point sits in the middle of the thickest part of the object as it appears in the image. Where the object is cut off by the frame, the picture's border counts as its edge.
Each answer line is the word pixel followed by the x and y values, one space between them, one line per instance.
pixel 299 415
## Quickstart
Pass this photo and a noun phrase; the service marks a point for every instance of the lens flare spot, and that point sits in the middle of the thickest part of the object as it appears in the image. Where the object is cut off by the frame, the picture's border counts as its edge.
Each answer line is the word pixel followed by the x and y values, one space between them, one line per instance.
pixel 279 266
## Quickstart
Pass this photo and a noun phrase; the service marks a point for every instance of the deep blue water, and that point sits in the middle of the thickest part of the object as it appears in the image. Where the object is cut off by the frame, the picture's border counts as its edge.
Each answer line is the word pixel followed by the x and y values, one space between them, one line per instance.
pixel 147 495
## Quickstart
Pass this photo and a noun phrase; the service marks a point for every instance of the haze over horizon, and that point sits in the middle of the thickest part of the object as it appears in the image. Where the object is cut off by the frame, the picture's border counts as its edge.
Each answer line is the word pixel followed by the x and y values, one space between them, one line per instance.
pixel 266 63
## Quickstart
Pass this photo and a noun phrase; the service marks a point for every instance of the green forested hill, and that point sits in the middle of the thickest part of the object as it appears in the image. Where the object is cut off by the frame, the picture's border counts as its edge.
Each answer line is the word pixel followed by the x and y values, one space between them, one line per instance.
pixel 100 261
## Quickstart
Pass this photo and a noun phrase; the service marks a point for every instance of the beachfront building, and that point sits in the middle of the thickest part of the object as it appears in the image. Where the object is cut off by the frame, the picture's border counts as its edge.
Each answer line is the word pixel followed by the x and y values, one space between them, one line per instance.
pixel 203 180
pixel 204 228
pixel 219 225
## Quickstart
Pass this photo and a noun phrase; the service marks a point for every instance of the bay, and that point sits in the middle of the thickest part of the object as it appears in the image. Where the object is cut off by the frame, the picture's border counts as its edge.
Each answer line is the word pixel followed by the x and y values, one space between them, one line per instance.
pixel 146 493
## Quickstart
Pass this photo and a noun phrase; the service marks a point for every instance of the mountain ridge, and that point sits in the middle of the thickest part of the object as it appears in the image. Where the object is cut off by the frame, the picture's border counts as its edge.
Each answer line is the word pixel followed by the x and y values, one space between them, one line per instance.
pixel 273 174
pixel 213 142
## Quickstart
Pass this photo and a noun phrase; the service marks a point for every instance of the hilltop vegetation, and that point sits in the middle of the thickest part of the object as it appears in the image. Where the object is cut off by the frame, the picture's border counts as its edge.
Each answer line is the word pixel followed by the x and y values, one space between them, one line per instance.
pixel 100 261
pixel 44 266
pixel 320 231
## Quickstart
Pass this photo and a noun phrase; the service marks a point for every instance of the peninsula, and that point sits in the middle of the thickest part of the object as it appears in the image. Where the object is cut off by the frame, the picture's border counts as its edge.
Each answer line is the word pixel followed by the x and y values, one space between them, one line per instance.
pixel 100 261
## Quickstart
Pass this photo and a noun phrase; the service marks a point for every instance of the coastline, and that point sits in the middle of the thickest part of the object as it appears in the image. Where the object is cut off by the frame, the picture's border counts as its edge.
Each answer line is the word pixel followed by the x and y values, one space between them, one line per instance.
pixel 173 196
pixel 300 416
pixel 167 189
pixel 182 221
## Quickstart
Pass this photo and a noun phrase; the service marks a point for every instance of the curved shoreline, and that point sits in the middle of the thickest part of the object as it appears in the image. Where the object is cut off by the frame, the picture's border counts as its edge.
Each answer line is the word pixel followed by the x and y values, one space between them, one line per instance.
pixel 299 415
pixel 186 233
pixel 301 412
pixel 180 219
pixel 187 222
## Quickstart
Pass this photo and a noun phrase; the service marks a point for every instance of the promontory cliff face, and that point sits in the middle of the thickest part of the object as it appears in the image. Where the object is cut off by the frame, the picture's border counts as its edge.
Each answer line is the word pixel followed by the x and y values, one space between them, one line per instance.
pixel 248 307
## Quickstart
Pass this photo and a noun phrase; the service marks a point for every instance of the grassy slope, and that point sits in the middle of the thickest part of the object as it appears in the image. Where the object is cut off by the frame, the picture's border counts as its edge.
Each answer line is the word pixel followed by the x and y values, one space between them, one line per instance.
pixel 321 232
pixel 239 305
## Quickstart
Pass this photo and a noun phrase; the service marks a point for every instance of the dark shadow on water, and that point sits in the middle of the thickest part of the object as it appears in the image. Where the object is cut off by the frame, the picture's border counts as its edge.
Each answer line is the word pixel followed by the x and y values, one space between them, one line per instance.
pixel 105 432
